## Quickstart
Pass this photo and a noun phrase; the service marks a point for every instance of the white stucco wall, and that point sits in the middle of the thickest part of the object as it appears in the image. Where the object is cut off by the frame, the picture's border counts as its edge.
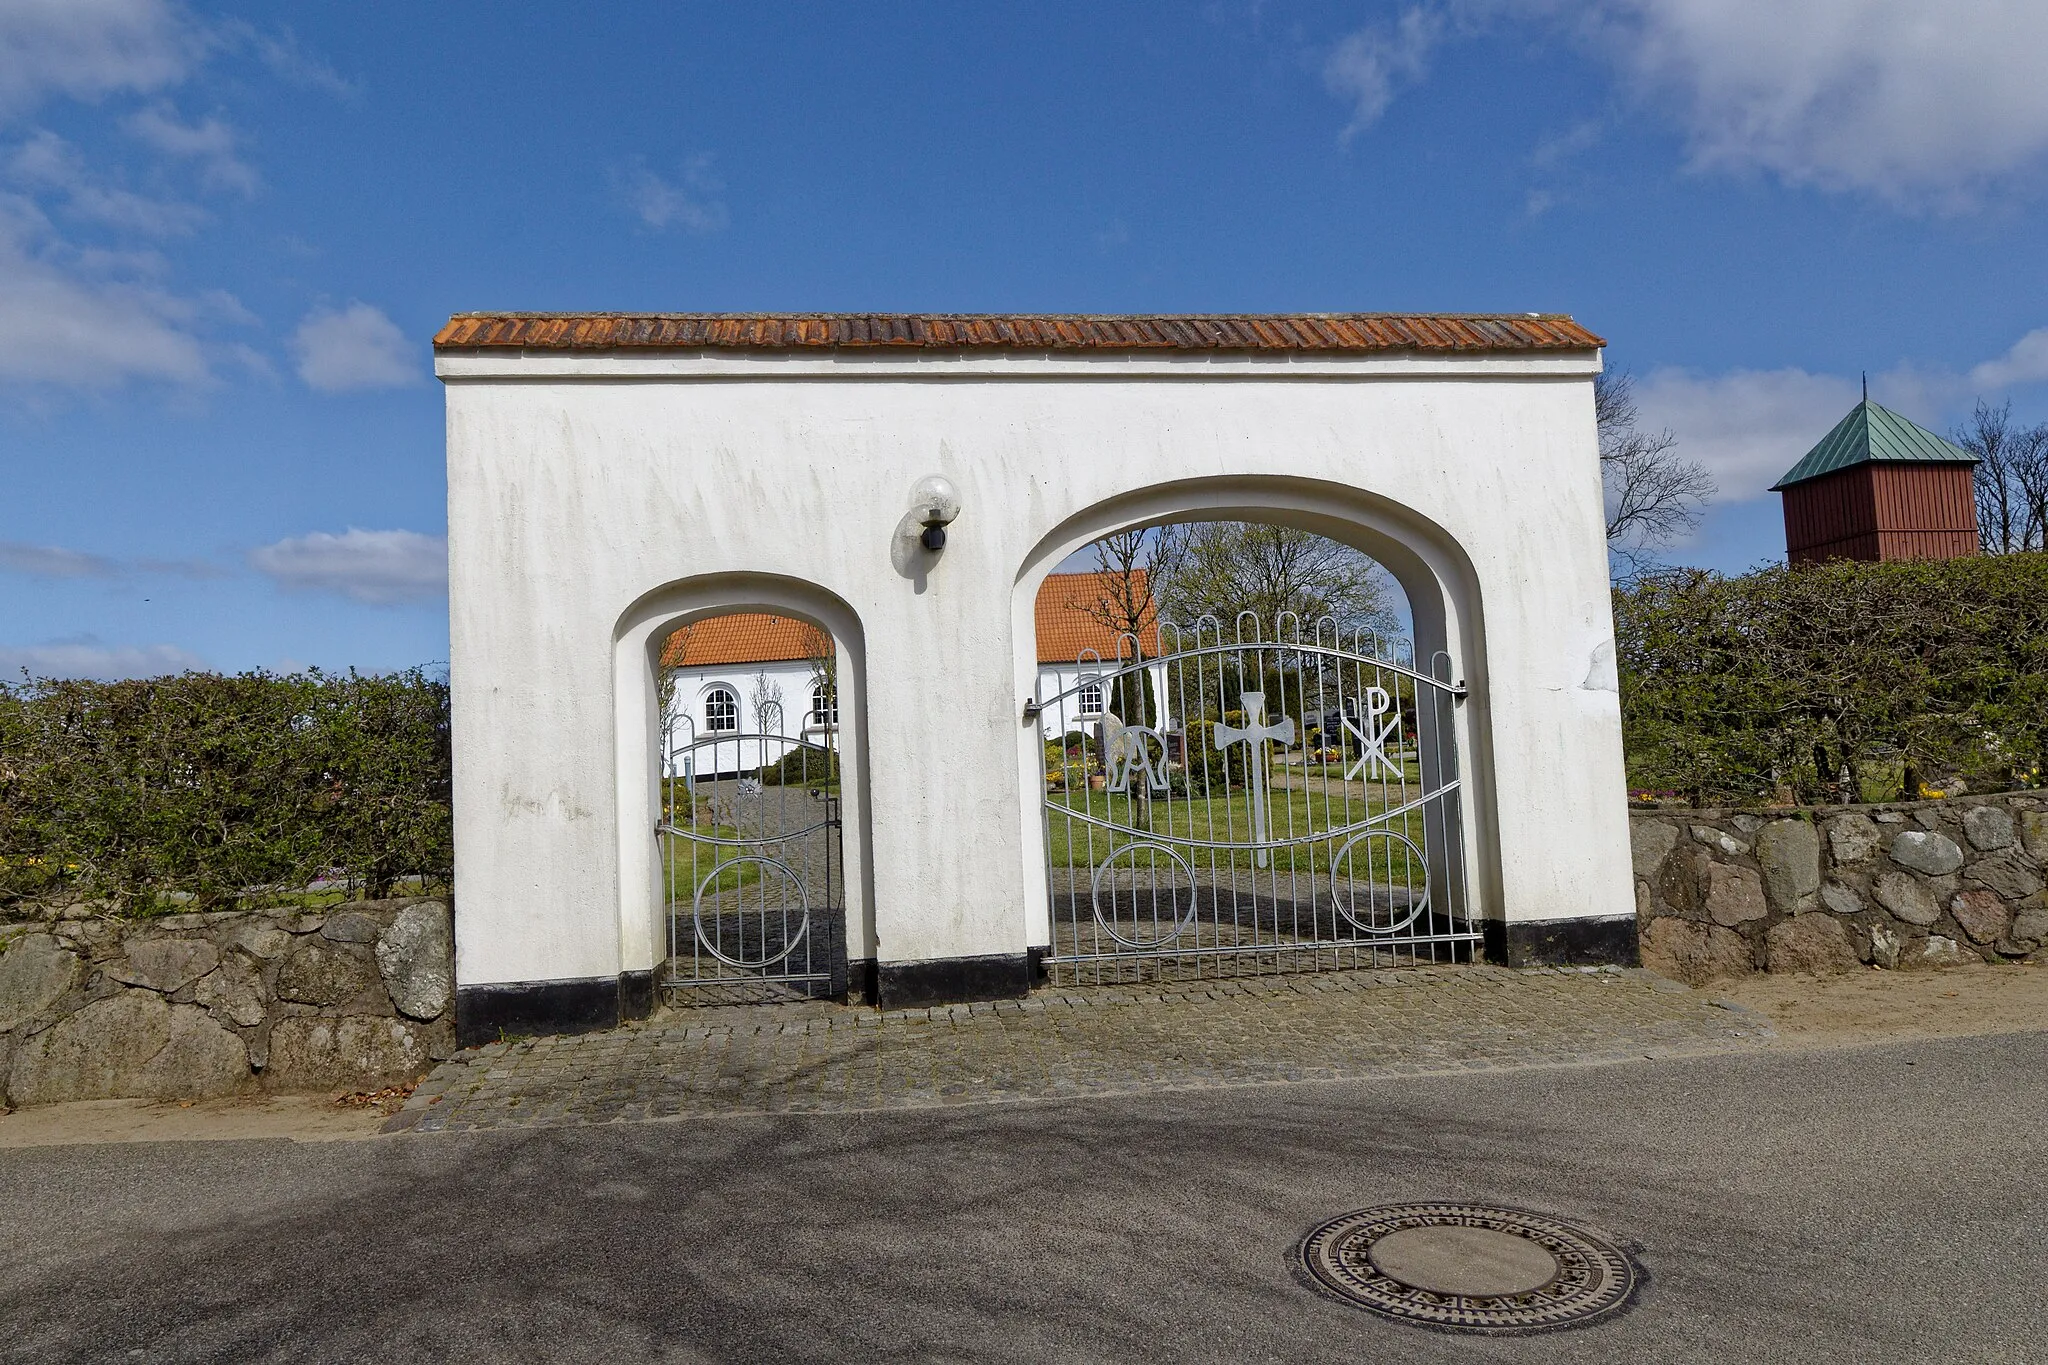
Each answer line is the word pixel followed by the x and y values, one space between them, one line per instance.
pixel 1474 479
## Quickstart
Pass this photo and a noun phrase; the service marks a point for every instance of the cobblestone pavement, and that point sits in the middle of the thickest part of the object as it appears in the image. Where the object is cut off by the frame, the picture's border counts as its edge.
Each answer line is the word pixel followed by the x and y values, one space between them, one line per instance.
pixel 819 1057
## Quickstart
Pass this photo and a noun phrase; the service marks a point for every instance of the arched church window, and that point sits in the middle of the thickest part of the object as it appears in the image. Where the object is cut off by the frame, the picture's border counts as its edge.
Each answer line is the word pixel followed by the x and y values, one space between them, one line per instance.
pixel 721 709
pixel 1088 701
pixel 824 705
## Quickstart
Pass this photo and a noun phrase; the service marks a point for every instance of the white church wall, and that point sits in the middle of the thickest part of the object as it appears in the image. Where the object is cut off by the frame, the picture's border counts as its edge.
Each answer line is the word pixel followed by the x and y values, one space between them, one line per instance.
pixel 790 710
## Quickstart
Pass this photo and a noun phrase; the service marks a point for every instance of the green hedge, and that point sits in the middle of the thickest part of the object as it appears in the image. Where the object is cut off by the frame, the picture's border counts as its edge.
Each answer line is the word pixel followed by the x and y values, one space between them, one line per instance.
pixel 220 787
pixel 1907 675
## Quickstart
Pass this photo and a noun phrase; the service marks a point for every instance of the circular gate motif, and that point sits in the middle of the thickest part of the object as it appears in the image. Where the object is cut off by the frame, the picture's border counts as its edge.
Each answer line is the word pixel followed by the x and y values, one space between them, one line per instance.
pixel 711 942
pixel 1178 920
pixel 1378 919
pixel 1470 1268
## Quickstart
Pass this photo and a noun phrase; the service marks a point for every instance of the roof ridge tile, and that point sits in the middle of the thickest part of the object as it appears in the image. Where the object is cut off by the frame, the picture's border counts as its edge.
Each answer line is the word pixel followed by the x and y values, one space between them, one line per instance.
pixel 1336 332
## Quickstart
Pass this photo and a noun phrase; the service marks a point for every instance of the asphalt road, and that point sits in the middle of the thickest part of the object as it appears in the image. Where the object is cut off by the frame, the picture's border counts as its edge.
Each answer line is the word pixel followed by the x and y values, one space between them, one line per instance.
pixel 1887 1203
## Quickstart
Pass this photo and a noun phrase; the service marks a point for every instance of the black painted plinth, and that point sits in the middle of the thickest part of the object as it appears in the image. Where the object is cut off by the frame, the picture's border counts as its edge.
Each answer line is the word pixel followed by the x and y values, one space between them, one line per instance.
pixel 483 1014
pixel 952 980
pixel 862 985
pixel 636 994
pixel 1609 942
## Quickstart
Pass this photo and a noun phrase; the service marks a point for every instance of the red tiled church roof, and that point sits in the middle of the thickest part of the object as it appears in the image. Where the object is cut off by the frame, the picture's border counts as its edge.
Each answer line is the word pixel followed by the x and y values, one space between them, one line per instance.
pixel 1069 617
pixel 1065 619
pixel 744 638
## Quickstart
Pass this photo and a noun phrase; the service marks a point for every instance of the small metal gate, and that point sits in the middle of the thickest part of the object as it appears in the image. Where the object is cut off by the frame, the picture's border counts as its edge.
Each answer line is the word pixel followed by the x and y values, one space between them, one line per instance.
pixel 1247 804
pixel 751 865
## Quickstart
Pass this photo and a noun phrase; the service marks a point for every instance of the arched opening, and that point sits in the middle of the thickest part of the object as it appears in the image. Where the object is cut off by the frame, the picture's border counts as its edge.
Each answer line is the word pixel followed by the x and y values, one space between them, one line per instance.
pixel 753 866
pixel 1259 760
pixel 754 884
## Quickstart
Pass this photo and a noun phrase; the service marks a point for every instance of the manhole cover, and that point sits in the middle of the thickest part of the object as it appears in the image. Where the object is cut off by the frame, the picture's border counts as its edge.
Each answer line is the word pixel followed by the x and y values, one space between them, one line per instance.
pixel 1470 1268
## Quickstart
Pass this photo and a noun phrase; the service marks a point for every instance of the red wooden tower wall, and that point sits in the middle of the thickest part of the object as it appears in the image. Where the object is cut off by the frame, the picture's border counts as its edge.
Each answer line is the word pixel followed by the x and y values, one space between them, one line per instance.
pixel 1882 511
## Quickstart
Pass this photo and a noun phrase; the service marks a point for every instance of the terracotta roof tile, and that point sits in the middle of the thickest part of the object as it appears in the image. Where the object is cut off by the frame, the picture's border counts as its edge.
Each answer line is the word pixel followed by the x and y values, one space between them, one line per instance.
pixel 1065 629
pixel 1323 332
pixel 743 638
pixel 1066 625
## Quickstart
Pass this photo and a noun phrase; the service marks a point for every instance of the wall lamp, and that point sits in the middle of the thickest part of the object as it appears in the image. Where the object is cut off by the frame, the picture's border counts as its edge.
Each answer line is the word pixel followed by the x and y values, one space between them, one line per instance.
pixel 934 503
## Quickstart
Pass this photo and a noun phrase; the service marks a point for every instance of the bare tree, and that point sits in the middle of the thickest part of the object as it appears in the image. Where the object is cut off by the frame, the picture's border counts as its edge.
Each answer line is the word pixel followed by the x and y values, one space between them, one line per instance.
pixel 767 703
pixel 1122 598
pixel 2011 479
pixel 1123 601
pixel 1653 495
pixel 1221 568
pixel 824 660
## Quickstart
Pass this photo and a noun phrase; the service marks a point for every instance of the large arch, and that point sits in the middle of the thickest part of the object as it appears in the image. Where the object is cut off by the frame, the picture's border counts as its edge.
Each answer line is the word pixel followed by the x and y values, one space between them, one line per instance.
pixel 637 641
pixel 1432 568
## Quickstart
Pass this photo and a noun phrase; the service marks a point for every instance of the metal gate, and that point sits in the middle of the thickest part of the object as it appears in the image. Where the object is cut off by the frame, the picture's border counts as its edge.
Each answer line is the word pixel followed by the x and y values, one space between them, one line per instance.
pixel 1245 804
pixel 751 865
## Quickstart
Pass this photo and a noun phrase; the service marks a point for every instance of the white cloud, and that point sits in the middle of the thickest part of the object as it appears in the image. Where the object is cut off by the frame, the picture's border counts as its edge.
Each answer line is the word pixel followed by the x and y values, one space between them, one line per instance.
pixel 356 347
pixel 1561 148
pixel 70 324
pixel 1368 67
pixel 210 144
pixel 2025 363
pixel 92 313
pixel 53 561
pixel 692 202
pixel 382 568
pixel 1749 426
pixel 1904 98
pixel 90 48
pixel 47 162
pixel 85 656
pixel 280 51
pixel 1916 102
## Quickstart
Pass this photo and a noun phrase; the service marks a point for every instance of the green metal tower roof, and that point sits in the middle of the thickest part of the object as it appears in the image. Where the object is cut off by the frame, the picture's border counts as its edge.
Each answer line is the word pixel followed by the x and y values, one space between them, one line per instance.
pixel 1871 433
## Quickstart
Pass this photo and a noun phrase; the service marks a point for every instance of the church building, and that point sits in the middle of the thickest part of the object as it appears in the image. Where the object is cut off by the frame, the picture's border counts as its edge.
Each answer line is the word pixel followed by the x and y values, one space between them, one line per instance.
pixel 754 673
pixel 1880 487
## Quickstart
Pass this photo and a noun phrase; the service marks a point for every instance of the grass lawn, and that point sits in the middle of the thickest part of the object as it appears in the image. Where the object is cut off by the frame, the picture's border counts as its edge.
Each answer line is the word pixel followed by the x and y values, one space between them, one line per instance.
pixel 688 862
pixel 1294 813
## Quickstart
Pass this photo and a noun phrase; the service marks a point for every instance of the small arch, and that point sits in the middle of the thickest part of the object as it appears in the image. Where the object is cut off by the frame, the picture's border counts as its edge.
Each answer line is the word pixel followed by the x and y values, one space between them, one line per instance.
pixel 824 706
pixel 638 637
pixel 721 708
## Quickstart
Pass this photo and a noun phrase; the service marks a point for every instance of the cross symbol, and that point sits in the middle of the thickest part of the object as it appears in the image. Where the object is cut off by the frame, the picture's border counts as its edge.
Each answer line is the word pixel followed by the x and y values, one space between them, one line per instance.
pixel 1373 739
pixel 1253 735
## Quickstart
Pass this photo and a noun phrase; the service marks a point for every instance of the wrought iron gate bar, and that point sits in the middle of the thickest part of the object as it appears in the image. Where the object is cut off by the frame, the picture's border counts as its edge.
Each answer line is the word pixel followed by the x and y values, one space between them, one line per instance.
pixel 1385 665
pixel 1330 947
pixel 1249 805
pixel 1323 836
pixel 750 871
pixel 745 843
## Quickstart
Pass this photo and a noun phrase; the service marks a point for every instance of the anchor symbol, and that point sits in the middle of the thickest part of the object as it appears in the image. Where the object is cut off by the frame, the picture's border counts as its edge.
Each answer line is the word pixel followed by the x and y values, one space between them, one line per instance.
pixel 1254 735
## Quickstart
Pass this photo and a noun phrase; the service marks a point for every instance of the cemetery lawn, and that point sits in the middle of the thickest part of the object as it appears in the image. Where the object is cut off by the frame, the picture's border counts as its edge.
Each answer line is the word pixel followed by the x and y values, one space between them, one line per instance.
pixel 688 862
pixel 1294 813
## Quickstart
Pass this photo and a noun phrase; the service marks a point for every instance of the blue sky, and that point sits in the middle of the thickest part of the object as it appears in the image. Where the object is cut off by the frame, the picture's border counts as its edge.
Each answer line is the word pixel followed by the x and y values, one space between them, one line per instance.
pixel 226 234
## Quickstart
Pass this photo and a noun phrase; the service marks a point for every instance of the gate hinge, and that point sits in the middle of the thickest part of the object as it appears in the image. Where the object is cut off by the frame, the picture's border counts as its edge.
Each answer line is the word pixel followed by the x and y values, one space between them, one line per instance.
pixel 1032 709
pixel 1459 691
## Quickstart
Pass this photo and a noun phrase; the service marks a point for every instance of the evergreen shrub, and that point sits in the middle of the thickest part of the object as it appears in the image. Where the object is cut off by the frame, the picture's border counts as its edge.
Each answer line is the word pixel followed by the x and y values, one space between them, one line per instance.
pixel 1841 681
pixel 222 788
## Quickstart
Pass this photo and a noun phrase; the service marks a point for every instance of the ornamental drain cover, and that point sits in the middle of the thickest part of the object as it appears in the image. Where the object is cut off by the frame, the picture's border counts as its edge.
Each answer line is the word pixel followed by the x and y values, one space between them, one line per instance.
pixel 1470 1268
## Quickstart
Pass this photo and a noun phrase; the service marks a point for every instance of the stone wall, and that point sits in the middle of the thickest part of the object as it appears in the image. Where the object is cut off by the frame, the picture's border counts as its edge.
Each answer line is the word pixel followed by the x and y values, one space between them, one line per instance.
pixel 1822 889
pixel 353 997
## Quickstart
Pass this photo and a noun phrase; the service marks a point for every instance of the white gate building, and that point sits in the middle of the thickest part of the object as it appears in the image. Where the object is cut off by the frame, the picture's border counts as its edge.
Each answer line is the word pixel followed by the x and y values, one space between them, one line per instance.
pixel 612 478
